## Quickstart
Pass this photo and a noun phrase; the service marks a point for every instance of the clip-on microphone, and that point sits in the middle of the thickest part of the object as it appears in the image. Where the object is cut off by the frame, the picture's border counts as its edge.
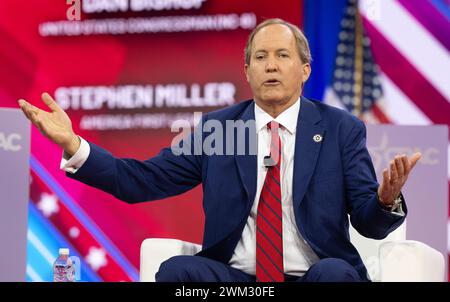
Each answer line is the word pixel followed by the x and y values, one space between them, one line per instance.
pixel 269 161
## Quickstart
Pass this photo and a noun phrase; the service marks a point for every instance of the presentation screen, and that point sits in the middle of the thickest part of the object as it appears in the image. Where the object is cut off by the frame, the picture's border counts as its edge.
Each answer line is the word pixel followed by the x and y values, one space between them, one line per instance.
pixel 124 71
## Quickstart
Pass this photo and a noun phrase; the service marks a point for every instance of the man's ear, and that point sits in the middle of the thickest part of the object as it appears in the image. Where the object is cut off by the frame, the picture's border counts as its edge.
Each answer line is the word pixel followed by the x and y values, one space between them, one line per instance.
pixel 306 69
pixel 246 72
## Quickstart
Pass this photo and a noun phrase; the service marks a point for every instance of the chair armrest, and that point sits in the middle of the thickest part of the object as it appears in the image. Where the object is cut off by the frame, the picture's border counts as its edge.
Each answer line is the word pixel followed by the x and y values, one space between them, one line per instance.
pixel 154 251
pixel 409 260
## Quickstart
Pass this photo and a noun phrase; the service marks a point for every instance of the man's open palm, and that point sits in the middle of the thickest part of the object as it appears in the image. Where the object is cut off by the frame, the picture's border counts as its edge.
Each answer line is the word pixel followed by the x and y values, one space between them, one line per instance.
pixel 55 125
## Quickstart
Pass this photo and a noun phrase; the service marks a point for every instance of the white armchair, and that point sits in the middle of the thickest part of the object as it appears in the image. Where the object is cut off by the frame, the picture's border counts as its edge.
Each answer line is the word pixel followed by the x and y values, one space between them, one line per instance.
pixel 155 251
pixel 391 259
pixel 396 259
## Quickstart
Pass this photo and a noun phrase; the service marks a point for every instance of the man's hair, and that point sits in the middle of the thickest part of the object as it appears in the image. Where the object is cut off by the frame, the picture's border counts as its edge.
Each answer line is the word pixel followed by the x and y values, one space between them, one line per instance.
pixel 300 39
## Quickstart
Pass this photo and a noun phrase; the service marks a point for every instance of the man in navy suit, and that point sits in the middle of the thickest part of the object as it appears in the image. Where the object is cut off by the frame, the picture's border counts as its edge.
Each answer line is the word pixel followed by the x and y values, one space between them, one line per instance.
pixel 278 214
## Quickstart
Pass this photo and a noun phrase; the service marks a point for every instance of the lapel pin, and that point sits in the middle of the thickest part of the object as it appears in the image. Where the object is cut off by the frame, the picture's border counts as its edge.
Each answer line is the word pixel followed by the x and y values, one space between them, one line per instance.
pixel 317 138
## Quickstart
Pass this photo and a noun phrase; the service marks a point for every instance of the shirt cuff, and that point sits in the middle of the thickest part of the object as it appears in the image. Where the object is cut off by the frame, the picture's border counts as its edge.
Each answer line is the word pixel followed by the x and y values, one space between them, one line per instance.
pixel 75 162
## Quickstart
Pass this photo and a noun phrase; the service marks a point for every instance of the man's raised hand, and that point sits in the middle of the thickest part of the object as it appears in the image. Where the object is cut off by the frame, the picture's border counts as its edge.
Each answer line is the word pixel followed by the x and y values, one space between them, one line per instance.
pixel 55 124
pixel 395 177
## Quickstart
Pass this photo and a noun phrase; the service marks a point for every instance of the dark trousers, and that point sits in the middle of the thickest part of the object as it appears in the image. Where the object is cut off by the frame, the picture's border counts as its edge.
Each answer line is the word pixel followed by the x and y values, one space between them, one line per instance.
pixel 201 269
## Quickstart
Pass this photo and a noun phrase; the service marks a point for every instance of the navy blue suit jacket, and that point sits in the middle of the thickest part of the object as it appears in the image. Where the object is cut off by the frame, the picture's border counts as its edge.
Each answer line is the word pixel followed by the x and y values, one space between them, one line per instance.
pixel 332 178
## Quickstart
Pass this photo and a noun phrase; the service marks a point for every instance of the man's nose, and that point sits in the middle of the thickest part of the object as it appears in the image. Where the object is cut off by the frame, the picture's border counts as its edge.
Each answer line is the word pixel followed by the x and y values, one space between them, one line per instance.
pixel 271 66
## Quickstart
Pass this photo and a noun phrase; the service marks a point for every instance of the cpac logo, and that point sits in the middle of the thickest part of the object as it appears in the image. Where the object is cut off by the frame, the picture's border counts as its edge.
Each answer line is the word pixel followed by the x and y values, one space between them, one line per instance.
pixel 385 151
pixel 9 142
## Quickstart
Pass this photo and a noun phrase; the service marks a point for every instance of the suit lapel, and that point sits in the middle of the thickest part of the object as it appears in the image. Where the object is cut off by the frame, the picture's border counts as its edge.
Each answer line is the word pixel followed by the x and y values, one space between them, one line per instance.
pixel 306 148
pixel 246 164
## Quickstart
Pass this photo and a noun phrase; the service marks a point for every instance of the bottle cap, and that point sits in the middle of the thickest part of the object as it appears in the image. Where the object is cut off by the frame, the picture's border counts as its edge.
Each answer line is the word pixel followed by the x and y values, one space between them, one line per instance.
pixel 64 251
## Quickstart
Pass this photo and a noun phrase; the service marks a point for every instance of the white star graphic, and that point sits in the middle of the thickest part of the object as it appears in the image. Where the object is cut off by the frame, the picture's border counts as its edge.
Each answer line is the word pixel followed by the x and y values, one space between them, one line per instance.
pixel 96 258
pixel 48 204
pixel 74 232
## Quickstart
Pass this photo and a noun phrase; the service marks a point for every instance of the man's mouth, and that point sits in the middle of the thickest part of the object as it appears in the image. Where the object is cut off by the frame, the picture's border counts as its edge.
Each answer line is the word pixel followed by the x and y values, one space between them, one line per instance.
pixel 272 82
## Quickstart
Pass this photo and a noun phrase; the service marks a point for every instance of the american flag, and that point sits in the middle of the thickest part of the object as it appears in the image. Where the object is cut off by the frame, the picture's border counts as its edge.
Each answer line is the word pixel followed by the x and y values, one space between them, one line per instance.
pixel 392 63
pixel 356 84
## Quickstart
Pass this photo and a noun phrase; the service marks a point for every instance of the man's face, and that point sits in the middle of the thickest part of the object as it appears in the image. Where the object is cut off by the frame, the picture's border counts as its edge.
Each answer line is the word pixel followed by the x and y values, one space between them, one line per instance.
pixel 275 72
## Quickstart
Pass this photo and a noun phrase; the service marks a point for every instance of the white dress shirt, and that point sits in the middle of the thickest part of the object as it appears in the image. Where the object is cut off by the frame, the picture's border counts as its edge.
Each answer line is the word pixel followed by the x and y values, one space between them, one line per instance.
pixel 297 255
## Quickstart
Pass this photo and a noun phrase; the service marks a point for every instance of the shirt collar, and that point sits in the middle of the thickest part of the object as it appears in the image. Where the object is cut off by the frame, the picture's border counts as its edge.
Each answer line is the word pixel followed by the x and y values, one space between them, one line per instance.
pixel 288 118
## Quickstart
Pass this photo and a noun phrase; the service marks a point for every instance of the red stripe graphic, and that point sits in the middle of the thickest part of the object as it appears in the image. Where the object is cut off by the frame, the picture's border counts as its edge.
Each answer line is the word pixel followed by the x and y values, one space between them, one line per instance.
pixel 71 228
pixel 408 78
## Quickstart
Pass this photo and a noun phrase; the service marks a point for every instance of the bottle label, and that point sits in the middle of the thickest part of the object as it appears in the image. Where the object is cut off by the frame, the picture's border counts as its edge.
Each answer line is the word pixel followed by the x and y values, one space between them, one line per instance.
pixel 59 274
pixel 66 269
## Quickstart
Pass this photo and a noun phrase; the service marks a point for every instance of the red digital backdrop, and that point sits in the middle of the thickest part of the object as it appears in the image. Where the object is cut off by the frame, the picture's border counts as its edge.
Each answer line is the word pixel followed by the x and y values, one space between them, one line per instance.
pixel 88 72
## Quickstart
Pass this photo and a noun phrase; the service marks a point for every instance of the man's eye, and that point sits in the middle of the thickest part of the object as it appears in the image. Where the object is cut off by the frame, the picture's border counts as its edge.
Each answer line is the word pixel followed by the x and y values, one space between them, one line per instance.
pixel 259 57
pixel 283 55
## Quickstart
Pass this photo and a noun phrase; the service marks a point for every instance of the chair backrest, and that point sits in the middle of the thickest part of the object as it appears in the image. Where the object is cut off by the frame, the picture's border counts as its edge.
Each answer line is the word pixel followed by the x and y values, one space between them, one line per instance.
pixel 369 248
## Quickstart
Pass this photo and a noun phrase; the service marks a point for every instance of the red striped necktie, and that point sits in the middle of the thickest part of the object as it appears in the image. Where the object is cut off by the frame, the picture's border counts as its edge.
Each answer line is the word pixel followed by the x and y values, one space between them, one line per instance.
pixel 269 228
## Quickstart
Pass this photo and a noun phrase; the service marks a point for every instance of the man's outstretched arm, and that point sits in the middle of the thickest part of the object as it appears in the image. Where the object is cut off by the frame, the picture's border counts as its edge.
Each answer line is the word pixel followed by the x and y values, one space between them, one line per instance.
pixel 128 179
pixel 370 205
